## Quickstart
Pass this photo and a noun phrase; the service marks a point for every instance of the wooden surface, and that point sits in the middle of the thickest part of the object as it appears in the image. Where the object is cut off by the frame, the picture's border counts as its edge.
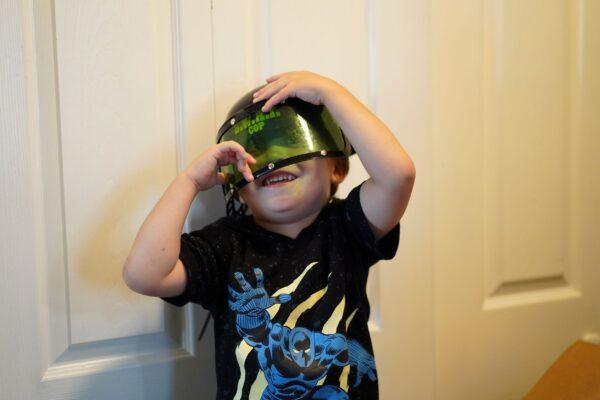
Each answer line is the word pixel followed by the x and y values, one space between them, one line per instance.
pixel 575 375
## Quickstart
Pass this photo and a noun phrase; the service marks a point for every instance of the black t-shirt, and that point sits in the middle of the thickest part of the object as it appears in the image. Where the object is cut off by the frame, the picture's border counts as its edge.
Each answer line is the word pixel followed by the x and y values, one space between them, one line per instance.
pixel 290 314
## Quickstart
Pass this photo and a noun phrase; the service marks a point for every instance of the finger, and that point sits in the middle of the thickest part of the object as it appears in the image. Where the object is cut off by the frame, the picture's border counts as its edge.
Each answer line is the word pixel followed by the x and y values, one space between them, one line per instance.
pixel 268 303
pixel 223 158
pixel 233 151
pixel 225 152
pixel 258 92
pixel 245 170
pixel 358 379
pixel 242 281
pixel 234 294
pixel 372 375
pixel 233 156
pixel 259 278
pixel 221 178
pixel 230 145
pixel 244 155
pixel 241 164
pixel 269 90
pixel 275 99
pixel 250 173
pixel 283 298
pixel 274 77
pixel 241 160
pixel 248 176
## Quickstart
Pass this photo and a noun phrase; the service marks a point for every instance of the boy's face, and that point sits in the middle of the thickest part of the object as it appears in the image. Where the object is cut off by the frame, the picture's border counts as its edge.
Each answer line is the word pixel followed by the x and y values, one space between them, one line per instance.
pixel 288 201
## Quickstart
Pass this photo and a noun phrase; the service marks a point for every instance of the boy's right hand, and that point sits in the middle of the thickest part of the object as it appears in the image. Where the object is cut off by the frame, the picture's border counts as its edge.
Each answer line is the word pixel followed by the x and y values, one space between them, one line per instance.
pixel 253 301
pixel 203 170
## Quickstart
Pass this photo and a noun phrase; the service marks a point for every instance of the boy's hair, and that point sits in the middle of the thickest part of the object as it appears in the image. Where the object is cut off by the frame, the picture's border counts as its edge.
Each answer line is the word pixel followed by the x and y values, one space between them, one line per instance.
pixel 340 162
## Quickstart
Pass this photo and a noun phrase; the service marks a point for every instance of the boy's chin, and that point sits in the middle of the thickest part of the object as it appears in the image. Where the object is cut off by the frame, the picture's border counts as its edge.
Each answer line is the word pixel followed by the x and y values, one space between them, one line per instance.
pixel 288 204
pixel 278 206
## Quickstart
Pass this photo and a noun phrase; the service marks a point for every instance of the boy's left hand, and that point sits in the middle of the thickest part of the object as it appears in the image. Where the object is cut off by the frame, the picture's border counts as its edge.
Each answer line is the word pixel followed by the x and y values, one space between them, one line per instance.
pixel 304 85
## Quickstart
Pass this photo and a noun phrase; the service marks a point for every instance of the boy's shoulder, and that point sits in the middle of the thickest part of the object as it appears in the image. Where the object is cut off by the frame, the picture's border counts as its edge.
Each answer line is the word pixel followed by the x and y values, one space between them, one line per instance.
pixel 224 223
pixel 221 226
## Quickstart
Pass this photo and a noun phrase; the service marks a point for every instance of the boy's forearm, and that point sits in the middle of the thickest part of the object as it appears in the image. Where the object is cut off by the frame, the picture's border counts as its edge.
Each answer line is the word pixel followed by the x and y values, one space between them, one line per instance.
pixel 379 150
pixel 156 246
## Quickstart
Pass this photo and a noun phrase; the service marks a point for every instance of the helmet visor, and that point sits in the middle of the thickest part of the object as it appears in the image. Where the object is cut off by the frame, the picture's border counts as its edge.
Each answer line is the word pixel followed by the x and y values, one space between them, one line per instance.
pixel 283 136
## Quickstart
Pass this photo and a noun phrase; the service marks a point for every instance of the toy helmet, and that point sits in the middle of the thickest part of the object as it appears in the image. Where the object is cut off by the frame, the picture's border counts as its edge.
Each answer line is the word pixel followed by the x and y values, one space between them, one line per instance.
pixel 290 132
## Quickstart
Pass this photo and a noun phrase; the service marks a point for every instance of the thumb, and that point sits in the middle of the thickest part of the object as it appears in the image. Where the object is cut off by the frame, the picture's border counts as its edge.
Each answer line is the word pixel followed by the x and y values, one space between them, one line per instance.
pixel 221 178
pixel 372 375
pixel 284 298
pixel 267 302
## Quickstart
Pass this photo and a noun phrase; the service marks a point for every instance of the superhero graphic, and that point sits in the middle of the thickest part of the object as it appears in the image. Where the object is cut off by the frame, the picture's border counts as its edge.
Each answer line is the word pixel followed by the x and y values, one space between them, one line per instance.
pixel 294 360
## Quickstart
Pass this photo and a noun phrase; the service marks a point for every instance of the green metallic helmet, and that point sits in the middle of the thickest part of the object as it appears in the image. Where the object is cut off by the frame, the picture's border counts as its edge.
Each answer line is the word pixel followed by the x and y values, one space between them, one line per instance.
pixel 290 132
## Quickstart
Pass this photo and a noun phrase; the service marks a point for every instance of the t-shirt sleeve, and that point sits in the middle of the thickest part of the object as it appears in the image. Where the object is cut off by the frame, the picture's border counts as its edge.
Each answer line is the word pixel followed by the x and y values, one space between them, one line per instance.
pixel 361 234
pixel 201 253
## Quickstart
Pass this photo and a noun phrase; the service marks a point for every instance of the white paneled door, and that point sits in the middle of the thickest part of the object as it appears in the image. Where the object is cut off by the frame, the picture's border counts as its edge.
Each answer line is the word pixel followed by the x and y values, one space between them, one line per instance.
pixel 516 190
pixel 496 101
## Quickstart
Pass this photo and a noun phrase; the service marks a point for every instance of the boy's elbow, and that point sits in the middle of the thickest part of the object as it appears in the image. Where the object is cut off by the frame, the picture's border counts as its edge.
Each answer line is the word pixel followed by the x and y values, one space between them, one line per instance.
pixel 132 281
pixel 409 170
pixel 403 179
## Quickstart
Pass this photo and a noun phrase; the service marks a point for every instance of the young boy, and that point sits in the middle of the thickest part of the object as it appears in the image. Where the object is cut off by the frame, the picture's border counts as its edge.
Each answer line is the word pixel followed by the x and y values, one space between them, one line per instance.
pixel 285 285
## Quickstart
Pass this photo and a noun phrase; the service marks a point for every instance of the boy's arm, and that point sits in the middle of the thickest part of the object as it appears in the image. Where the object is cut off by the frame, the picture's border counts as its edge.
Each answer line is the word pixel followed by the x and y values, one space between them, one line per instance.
pixel 385 195
pixel 152 266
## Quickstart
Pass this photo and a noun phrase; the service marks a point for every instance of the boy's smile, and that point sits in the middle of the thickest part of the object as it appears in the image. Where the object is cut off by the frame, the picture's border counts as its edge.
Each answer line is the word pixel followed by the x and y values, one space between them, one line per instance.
pixel 276 178
pixel 292 194
pixel 285 189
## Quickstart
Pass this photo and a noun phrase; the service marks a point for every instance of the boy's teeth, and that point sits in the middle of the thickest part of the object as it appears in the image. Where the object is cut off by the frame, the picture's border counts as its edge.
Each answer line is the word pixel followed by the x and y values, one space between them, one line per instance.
pixel 279 178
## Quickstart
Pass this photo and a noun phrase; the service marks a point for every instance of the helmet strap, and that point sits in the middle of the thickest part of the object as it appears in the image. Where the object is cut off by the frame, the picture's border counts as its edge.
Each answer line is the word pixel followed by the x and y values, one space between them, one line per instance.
pixel 230 206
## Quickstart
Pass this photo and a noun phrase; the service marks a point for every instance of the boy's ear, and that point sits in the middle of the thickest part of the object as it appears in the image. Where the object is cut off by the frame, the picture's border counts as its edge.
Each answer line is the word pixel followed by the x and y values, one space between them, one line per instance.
pixel 338 174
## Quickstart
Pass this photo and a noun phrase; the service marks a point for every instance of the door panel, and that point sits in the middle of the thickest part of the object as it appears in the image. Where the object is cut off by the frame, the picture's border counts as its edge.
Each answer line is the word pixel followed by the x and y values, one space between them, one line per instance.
pixel 509 99
pixel 112 137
